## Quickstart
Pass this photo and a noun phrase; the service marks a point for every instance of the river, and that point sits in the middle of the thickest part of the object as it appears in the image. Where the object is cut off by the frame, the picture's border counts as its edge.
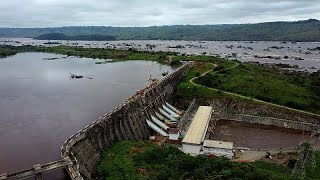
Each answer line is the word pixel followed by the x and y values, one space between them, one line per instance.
pixel 40 106
pixel 306 55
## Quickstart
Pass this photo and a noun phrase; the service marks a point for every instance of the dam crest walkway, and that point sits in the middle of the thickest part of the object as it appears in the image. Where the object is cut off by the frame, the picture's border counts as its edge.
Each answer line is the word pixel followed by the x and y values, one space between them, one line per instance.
pixel 37 170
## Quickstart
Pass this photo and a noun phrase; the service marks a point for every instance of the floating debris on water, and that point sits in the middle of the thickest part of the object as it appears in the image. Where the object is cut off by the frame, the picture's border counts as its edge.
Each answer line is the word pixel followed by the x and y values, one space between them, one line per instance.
pixel 54 58
pixel 75 76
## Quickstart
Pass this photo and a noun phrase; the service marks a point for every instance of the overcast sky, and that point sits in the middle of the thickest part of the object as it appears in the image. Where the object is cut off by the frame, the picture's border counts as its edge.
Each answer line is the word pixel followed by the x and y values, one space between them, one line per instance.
pixel 53 13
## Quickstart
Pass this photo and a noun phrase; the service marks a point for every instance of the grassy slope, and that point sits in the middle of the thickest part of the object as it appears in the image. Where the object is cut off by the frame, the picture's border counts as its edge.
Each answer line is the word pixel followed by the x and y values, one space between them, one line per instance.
pixel 144 160
pixel 188 90
pixel 252 80
pixel 266 84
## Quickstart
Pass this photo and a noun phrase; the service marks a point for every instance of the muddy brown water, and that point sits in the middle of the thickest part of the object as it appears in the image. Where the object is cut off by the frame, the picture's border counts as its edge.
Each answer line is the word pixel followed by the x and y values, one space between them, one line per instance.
pixel 40 106
pixel 254 136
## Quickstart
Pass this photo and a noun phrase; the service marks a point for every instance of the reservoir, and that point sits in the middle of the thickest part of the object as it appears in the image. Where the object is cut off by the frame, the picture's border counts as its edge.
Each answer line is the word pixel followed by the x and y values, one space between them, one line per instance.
pixel 41 106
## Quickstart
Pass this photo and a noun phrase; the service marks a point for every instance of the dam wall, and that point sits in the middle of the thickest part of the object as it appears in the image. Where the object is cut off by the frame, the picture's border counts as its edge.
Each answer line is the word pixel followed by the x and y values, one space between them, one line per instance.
pixel 125 122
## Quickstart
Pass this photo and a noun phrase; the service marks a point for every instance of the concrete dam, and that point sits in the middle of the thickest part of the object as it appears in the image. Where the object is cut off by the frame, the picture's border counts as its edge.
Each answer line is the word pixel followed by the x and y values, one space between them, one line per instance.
pixel 125 122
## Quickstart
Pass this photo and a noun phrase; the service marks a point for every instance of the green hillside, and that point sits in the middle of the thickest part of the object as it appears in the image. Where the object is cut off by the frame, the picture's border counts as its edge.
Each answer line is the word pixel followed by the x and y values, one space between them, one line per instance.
pixel 60 36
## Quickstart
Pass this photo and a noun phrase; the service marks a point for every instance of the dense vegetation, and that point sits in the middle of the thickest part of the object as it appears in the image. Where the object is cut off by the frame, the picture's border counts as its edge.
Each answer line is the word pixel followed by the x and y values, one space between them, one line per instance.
pixel 145 160
pixel 60 36
pixel 292 90
pixel 4 52
pixel 308 30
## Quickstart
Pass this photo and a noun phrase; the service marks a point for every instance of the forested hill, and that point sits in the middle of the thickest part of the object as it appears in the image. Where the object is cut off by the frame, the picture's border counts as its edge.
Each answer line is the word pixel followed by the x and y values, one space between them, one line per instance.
pixel 308 30
pixel 61 36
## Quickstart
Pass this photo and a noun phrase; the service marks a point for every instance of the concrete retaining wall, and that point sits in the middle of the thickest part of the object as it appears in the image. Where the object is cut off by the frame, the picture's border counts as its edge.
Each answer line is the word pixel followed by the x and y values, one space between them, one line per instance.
pixel 232 106
pixel 125 122
pixel 272 121
pixel 285 123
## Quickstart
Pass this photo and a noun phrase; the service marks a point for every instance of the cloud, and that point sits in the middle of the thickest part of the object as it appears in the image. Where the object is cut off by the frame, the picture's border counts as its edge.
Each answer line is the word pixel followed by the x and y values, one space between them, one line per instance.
pixel 52 13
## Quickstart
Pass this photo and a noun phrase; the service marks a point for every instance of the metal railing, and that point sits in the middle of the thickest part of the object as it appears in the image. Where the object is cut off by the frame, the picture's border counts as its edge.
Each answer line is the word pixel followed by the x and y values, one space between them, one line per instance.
pixel 187 117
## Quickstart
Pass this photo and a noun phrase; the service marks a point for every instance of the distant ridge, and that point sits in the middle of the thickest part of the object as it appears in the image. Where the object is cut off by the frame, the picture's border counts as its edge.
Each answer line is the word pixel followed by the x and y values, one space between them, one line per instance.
pixel 305 30
pixel 60 36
